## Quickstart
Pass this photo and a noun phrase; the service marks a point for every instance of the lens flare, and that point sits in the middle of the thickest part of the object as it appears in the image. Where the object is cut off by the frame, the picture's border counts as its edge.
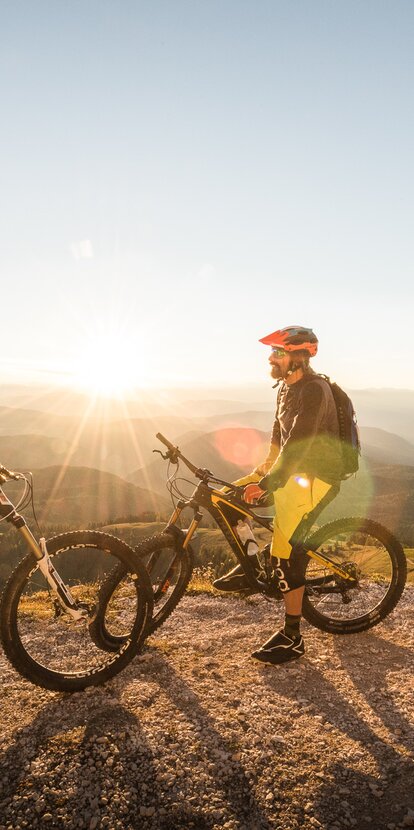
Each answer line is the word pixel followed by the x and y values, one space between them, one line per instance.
pixel 242 447
pixel 302 481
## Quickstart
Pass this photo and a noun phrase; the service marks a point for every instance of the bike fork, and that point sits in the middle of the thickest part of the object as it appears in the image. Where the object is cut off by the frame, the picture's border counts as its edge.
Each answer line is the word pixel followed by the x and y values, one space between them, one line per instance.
pixel 55 582
pixel 190 531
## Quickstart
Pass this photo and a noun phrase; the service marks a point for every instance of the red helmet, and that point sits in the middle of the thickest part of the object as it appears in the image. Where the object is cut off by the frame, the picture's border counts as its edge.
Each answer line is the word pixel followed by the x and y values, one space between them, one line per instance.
pixel 293 339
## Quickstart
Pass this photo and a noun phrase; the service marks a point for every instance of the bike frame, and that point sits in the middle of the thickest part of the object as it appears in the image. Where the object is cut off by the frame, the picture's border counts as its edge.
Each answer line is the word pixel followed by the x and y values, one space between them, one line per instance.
pixel 216 502
pixel 59 590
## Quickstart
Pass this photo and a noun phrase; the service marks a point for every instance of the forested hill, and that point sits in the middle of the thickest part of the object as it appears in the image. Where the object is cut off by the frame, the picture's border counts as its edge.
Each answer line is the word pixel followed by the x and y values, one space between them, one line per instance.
pixel 79 496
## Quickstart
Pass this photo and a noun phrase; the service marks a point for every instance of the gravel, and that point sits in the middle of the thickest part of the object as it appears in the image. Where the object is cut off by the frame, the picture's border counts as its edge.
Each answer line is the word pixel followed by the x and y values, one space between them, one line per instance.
pixel 195 734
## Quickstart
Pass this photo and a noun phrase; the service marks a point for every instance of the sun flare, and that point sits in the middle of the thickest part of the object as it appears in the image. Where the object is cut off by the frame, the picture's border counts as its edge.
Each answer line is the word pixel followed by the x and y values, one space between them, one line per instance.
pixel 108 366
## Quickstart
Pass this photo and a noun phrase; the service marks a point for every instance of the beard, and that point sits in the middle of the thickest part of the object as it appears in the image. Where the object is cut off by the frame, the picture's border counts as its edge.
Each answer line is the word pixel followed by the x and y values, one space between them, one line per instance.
pixel 276 372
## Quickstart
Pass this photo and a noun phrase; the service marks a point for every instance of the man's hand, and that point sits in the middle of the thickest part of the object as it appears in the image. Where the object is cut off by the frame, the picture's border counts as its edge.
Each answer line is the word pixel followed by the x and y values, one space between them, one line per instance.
pixel 252 492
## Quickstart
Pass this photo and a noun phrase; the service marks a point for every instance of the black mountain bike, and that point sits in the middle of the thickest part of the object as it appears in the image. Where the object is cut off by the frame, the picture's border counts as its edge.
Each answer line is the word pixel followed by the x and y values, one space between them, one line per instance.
pixel 355 575
pixel 51 599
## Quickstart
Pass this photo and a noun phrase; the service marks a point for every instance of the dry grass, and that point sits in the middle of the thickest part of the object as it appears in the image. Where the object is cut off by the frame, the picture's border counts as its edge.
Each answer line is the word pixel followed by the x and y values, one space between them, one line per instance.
pixel 409 552
pixel 41 603
pixel 202 581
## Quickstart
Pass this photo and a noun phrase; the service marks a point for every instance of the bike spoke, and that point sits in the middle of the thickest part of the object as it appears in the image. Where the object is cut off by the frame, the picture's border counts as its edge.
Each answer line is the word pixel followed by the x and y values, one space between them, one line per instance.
pixel 362 556
pixel 50 636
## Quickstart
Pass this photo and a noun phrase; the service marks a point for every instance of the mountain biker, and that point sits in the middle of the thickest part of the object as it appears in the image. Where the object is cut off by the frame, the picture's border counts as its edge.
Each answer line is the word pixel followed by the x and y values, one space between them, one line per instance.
pixel 302 471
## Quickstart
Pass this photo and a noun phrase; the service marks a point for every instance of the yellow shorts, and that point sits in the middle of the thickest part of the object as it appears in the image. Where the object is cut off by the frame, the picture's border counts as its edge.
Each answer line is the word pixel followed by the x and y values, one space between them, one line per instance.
pixel 298 497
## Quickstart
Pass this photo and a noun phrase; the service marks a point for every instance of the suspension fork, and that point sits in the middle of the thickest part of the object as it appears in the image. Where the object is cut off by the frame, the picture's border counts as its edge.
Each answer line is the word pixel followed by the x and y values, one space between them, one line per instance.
pixel 175 515
pixel 45 565
pixel 192 528
pixel 189 533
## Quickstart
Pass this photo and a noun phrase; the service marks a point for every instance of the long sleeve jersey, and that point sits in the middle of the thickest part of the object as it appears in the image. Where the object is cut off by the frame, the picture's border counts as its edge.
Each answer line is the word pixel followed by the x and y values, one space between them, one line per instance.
pixel 305 436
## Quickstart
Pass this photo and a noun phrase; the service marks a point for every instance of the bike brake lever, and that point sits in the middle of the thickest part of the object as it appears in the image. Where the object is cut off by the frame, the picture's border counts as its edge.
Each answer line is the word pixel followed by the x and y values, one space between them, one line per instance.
pixel 168 456
pixel 161 454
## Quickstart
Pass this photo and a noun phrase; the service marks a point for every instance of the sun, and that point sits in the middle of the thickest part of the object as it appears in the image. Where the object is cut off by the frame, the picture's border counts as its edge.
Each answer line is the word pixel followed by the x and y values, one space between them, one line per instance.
pixel 107 365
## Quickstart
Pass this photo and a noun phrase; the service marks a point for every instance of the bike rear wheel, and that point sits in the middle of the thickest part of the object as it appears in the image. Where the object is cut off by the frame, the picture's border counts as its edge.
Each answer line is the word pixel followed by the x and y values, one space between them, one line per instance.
pixel 169 567
pixel 374 557
pixel 43 643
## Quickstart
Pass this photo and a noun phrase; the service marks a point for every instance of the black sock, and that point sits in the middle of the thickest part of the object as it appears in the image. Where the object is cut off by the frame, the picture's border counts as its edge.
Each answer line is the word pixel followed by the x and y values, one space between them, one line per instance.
pixel 292 625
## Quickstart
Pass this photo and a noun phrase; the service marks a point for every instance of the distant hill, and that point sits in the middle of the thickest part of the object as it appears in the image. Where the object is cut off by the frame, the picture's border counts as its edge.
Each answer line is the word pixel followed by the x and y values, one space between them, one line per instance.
pixel 27 452
pixel 381 492
pixel 388 409
pixel 34 439
pixel 232 451
pixel 16 421
pixel 40 440
pixel 109 438
pixel 384 492
pixel 80 495
pixel 385 447
pixel 228 452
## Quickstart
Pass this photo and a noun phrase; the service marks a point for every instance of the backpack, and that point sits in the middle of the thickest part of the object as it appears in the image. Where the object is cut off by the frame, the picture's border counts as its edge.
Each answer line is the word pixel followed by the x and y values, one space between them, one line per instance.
pixel 348 429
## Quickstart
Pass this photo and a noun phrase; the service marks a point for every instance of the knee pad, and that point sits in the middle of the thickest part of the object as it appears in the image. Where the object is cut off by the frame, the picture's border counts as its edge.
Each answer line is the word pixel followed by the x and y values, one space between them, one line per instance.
pixel 291 572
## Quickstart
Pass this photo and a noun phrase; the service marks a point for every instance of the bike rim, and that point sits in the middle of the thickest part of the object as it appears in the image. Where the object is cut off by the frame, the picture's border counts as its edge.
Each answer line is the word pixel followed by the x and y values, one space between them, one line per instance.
pixel 52 640
pixel 362 554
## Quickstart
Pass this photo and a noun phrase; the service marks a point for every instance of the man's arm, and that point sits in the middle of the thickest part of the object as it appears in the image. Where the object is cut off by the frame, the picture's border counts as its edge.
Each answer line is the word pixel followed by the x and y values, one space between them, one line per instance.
pixel 311 409
pixel 274 450
pixel 267 464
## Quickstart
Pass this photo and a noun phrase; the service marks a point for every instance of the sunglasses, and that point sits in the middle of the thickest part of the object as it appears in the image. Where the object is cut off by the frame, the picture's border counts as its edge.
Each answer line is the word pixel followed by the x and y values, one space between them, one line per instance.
pixel 278 352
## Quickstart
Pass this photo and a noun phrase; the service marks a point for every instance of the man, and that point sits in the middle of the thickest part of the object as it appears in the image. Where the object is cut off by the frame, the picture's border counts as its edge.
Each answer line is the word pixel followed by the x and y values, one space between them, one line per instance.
pixel 302 470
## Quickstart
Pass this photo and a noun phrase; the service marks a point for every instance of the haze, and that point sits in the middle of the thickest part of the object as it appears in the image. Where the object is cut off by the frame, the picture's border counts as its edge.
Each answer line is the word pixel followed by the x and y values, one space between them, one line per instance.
pixel 180 179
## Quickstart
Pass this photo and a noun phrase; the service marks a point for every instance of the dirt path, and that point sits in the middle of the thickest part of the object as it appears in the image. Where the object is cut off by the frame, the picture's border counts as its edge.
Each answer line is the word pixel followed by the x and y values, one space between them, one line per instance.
pixel 194 734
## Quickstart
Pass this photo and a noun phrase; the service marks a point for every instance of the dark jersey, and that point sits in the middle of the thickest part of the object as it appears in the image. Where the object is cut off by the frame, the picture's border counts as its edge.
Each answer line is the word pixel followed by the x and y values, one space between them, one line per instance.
pixel 306 431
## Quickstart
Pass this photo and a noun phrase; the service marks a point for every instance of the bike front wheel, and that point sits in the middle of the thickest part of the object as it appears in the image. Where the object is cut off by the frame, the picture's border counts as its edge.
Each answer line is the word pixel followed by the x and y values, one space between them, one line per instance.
pixel 375 560
pixel 43 642
pixel 169 567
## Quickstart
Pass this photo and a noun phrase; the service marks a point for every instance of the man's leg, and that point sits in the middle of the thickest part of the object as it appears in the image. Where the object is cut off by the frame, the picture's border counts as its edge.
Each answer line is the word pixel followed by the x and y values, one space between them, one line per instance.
pixel 293 601
pixel 287 643
pixel 293 611
pixel 292 502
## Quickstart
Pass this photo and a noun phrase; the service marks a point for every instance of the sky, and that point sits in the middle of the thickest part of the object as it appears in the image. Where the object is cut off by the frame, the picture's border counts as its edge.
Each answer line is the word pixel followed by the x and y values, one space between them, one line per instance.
pixel 181 177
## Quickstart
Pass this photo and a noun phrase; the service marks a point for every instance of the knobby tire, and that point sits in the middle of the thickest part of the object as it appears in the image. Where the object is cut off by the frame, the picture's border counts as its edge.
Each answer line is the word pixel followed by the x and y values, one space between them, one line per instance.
pixel 381 589
pixel 16 622
pixel 149 551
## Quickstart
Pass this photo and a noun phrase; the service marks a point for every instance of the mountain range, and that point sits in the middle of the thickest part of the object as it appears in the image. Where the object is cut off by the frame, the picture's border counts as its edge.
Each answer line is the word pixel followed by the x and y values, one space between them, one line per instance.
pixel 94 468
pixel 33 439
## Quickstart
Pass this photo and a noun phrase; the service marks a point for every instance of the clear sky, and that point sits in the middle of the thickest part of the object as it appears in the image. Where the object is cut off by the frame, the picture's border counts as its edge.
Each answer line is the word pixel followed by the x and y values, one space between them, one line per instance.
pixel 181 177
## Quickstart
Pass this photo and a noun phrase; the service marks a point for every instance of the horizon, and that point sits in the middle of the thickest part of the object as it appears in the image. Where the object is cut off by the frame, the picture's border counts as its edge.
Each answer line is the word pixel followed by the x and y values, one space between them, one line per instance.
pixel 135 393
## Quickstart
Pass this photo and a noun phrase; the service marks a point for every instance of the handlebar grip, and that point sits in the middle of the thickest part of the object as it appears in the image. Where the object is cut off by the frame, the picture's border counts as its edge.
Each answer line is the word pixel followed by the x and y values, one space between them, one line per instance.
pixel 177 453
pixel 165 441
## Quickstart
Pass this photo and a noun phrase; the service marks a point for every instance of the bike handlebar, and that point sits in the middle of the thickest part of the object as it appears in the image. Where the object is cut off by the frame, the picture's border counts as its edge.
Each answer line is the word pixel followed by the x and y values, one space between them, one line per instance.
pixel 175 452
pixel 165 441
pixel 200 472
pixel 205 475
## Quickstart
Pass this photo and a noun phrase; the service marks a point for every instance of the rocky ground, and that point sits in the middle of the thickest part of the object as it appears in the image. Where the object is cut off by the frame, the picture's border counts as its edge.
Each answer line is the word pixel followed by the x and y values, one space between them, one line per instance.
pixel 195 734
